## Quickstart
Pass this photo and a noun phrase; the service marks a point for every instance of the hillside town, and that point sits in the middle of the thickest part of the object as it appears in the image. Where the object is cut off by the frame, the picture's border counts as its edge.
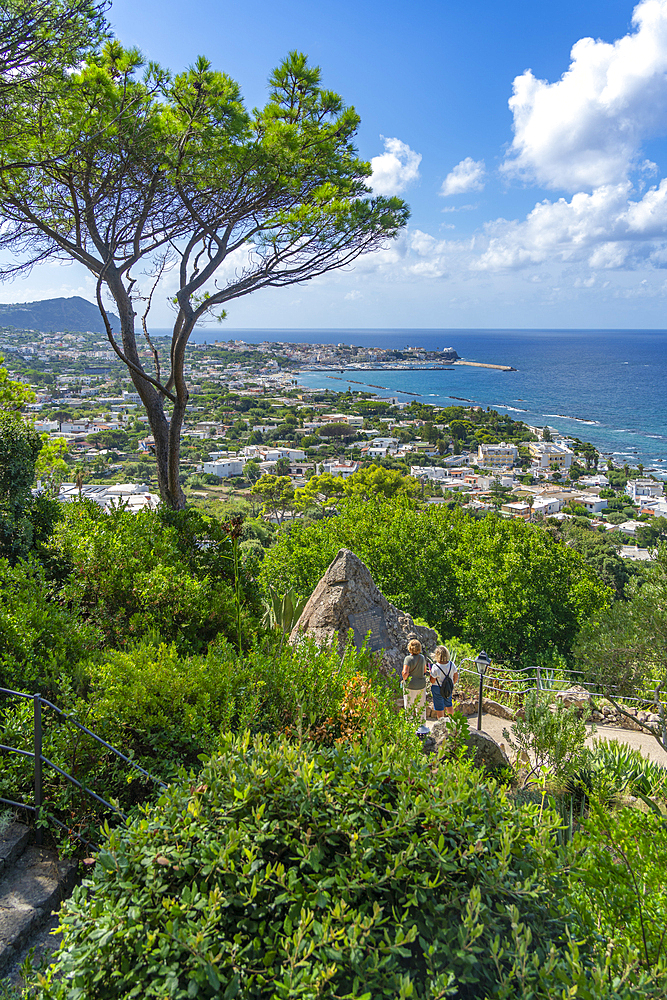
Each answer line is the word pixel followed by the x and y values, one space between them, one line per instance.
pixel 248 418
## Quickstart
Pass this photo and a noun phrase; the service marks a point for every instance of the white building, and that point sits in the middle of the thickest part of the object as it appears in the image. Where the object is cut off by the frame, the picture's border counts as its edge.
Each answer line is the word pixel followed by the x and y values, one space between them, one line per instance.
pixel 640 488
pixel 294 454
pixel 592 503
pixel 516 508
pixel 224 468
pixel 485 482
pixel 344 469
pixel 384 442
pixel 497 456
pixel 429 472
pixel 132 496
pixel 547 455
pixel 547 506
pixel 597 480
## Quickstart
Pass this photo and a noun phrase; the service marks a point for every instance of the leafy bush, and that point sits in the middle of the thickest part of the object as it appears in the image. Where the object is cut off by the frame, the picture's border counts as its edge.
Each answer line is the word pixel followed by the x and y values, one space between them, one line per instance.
pixel 164 571
pixel 618 884
pixel 165 710
pixel 480 580
pixel 42 642
pixel 552 739
pixel 611 768
pixel 348 872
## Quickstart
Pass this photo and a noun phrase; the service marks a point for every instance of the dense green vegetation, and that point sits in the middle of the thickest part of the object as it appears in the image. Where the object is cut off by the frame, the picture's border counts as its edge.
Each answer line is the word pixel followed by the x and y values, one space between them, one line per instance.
pixel 292 838
pixel 291 871
pixel 293 779
pixel 481 580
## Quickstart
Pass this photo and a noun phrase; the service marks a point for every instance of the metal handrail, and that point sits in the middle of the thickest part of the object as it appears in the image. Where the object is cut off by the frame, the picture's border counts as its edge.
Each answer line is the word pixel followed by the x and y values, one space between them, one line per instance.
pixel 84 729
pixel 54 819
pixel 39 759
pixel 536 687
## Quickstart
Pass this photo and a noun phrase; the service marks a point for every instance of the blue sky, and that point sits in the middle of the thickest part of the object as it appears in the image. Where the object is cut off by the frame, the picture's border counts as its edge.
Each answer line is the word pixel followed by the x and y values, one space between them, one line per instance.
pixel 529 140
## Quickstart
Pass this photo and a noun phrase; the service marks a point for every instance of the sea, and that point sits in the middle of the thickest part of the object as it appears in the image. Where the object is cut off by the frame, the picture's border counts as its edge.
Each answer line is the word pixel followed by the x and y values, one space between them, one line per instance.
pixel 608 387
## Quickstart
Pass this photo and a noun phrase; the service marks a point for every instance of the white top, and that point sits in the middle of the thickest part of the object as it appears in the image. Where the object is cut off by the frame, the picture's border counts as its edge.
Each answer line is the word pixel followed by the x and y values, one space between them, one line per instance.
pixel 439 671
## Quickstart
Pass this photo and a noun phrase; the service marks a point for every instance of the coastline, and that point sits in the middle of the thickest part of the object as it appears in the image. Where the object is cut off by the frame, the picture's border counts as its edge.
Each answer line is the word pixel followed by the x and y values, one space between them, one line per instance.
pixel 578 387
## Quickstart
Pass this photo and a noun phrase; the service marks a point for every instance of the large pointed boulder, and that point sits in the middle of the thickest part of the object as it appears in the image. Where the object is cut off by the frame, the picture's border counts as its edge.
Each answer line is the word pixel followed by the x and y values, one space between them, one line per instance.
pixel 347 598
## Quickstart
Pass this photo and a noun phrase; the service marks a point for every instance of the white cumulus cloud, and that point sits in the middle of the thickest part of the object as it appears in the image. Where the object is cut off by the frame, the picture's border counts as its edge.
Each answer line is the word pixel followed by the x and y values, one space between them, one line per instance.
pixel 468 175
pixel 607 227
pixel 394 169
pixel 586 130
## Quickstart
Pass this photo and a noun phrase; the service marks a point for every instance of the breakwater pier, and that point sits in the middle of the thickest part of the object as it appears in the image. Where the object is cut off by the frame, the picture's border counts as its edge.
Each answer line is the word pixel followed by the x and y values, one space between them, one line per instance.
pixel 481 364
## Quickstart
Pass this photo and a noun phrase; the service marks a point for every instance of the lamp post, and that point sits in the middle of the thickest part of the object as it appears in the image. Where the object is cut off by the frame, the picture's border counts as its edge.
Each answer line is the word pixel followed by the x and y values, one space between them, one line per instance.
pixel 482 661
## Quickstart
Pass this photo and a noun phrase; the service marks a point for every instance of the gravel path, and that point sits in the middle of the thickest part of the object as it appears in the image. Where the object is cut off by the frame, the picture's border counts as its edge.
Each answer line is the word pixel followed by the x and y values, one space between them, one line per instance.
pixel 494 726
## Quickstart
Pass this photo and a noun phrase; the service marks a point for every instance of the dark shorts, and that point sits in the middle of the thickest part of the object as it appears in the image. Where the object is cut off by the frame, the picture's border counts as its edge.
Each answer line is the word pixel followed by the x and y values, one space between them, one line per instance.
pixel 440 703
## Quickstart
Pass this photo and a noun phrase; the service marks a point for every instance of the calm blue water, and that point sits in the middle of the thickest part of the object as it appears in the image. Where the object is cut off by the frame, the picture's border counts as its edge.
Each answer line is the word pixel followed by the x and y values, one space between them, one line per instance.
pixel 604 386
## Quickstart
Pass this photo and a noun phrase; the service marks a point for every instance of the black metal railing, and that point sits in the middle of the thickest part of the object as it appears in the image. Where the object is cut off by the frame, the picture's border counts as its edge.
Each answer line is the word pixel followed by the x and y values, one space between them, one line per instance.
pixel 38 757
pixel 540 678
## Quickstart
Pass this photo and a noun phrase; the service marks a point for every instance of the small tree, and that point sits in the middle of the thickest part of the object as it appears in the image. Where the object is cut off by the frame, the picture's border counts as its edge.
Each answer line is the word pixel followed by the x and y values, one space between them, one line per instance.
pixel 624 650
pixel 554 740
pixel 337 430
pixel 277 495
pixel 132 177
pixel 498 493
pixel 283 466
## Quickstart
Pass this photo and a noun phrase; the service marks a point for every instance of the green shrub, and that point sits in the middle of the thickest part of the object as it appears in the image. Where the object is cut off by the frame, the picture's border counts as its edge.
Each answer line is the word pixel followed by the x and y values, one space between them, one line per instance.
pixel 155 570
pixel 618 884
pixel 166 710
pixel 611 768
pixel 551 738
pixel 42 642
pixel 347 872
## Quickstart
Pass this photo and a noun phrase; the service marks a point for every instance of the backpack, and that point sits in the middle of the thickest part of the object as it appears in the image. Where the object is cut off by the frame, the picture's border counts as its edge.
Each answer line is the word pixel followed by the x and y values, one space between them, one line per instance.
pixel 446 684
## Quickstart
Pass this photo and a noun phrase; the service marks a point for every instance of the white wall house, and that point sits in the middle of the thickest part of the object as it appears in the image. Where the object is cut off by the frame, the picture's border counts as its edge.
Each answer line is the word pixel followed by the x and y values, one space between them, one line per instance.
pixel 429 472
pixel 344 469
pixel 516 508
pixel 547 455
pixel 592 503
pixel 384 442
pixel 639 488
pixel 497 456
pixel 598 480
pixel 225 468
pixel 547 505
pixel 132 496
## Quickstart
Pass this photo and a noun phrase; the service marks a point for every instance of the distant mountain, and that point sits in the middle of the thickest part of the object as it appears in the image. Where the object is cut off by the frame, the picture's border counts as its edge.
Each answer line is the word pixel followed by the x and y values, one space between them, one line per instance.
pixel 73 315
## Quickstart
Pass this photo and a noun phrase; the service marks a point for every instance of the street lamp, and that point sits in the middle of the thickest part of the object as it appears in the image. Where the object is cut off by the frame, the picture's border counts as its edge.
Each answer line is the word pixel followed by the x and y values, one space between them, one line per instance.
pixel 423 732
pixel 482 661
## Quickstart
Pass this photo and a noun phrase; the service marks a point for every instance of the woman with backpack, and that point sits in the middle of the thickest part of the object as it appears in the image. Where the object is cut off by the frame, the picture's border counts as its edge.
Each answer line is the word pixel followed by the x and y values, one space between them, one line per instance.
pixel 444 676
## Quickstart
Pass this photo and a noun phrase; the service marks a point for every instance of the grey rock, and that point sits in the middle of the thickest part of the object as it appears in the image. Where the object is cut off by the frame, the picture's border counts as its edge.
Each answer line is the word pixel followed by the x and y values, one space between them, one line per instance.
pixel 629 724
pixel 347 589
pixel 465 707
pixel 575 695
pixel 31 888
pixel 483 749
pixel 12 843
pixel 495 708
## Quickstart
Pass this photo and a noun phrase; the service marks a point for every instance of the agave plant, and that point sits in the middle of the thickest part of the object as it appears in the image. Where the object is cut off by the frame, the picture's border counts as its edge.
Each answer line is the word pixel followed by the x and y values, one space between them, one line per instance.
pixel 282 611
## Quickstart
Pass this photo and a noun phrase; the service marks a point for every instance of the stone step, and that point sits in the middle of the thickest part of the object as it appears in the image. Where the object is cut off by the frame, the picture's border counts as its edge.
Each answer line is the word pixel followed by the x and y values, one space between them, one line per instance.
pixel 31 888
pixel 13 842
